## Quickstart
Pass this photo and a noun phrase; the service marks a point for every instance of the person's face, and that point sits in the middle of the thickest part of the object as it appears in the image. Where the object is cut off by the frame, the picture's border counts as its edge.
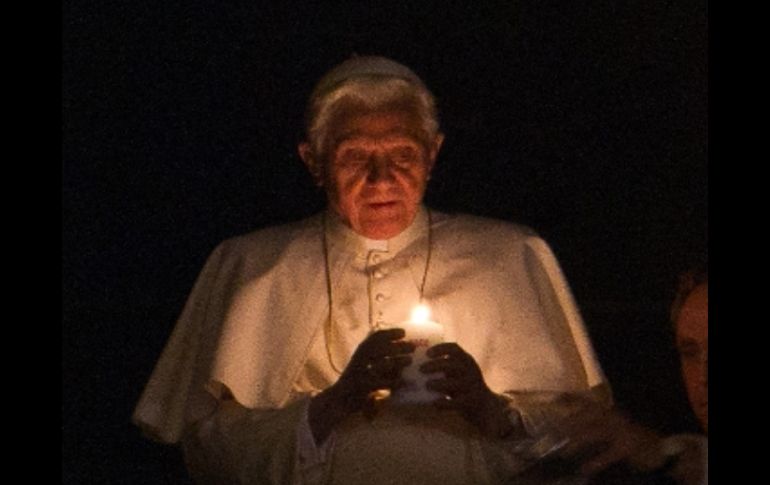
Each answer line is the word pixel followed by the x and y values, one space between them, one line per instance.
pixel 377 170
pixel 692 338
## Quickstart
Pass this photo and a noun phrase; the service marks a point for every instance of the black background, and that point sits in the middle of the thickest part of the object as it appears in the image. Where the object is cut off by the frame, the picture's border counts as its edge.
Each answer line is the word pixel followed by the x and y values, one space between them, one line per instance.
pixel 586 120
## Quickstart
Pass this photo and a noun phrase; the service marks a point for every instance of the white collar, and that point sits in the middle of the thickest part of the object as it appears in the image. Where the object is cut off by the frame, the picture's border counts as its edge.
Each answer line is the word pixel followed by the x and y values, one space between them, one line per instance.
pixel 344 239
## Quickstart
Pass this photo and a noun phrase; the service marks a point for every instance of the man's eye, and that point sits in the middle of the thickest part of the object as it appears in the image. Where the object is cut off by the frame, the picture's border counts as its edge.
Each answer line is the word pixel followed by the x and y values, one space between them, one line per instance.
pixel 404 155
pixel 688 349
pixel 354 156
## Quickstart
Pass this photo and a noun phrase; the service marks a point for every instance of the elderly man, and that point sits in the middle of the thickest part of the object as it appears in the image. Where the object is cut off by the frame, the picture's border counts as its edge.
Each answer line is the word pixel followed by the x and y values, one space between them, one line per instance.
pixel 287 363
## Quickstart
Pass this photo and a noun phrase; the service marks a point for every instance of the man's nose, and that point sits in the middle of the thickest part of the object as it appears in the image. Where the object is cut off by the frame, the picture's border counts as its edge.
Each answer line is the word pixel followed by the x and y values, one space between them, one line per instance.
pixel 379 169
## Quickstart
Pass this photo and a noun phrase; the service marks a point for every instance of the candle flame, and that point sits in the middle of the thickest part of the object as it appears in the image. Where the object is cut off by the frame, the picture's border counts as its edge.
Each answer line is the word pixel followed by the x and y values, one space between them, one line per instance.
pixel 420 313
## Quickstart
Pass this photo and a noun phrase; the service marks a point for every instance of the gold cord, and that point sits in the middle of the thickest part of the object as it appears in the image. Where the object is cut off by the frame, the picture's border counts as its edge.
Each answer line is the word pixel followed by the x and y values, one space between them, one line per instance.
pixel 329 326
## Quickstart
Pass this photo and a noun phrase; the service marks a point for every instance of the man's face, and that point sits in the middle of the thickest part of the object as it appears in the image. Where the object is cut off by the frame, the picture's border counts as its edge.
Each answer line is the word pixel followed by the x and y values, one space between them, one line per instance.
pixel 377 170
pixel 692 338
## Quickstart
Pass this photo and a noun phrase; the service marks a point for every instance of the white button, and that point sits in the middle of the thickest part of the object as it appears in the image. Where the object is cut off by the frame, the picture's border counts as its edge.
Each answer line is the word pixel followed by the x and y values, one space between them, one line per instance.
pixel 379 323
pixel 380 297
pixel 378 273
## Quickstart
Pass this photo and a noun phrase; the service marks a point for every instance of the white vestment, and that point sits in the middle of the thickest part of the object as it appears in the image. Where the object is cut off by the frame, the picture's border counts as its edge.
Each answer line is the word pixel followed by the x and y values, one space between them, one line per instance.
pixel 254 329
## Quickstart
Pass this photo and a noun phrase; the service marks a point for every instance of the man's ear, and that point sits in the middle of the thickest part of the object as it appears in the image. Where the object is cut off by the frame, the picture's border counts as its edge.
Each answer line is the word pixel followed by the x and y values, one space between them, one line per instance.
pixel 314 166
pixel 433 151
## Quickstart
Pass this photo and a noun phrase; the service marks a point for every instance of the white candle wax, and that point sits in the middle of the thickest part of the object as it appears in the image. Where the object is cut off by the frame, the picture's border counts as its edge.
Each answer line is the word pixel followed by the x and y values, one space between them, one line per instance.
pixel 423 333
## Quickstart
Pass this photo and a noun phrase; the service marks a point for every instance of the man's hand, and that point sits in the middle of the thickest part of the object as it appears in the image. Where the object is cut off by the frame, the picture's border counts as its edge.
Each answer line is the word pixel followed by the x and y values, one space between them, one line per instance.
pixel 376 364
pixel 607 437
pixel 463 385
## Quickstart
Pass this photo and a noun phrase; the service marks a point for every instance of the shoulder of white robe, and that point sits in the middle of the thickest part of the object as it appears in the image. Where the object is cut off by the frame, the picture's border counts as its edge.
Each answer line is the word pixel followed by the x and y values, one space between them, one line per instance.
pixel 164 405
pixel 160 412
pixel 594 374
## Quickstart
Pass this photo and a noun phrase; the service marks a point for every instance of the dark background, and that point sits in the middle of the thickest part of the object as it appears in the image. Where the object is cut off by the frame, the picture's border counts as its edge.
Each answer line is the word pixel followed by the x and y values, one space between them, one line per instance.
pixel 586 120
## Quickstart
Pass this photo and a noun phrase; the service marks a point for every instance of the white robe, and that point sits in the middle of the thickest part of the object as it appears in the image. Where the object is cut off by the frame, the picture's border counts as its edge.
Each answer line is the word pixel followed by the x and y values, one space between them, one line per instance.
pixel 261 302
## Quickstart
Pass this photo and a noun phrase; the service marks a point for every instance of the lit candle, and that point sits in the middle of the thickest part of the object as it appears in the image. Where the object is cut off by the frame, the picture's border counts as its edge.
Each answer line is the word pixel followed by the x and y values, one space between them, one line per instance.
pixel 423 333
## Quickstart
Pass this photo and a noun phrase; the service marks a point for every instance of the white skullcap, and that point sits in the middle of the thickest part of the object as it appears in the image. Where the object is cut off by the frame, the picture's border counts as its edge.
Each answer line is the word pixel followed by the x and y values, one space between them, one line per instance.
pixel 364 66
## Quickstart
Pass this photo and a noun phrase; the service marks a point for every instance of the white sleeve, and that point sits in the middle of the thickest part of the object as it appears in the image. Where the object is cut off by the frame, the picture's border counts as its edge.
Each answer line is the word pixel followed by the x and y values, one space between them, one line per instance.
pixel 539 410
pixel 311 460
pixel 253 446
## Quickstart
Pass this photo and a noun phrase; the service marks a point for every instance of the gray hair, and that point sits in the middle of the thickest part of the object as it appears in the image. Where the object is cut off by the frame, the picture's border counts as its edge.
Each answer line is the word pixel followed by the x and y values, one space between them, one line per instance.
pixel 367 83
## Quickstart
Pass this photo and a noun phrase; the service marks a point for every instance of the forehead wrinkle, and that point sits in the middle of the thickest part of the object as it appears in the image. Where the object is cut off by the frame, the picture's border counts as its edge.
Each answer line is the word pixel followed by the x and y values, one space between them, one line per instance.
pixel 394 134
